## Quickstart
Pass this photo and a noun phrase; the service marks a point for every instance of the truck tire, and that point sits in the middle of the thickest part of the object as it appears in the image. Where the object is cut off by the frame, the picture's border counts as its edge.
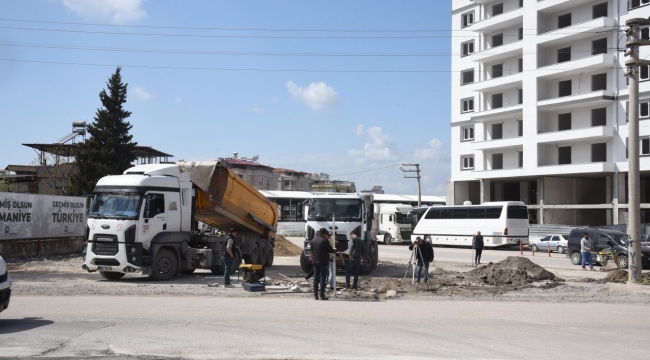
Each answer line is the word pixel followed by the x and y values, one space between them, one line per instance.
pixel 263 254
pixel 254 256
pixel 111 275
pixel 217 269
pixel 236 261
pixel 269 256
pixel 304 263
pixel 164 266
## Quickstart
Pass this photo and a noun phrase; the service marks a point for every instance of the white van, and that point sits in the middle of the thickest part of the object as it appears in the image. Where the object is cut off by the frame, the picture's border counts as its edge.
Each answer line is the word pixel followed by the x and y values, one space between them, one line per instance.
pixel 5 285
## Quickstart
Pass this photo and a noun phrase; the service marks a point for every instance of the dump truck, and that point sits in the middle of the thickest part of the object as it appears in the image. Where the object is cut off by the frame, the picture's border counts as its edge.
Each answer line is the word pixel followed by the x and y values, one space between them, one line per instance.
pixel 147 221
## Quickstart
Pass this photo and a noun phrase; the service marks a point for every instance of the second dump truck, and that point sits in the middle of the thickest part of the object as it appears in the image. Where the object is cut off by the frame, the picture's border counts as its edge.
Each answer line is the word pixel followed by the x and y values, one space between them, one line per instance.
pixel 147 220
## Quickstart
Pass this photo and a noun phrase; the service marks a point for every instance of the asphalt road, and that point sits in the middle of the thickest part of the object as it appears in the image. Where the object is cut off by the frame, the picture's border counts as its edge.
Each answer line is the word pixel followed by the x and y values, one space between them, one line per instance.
pixel 290 328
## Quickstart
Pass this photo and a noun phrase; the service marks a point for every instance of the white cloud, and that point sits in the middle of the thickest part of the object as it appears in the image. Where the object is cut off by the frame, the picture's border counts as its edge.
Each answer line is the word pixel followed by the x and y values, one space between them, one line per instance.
pixel 256 109
pixel 378 146
pixel 318 96
pixel 432 151
pixel 178 100
pixel 142 94
pixel 115 11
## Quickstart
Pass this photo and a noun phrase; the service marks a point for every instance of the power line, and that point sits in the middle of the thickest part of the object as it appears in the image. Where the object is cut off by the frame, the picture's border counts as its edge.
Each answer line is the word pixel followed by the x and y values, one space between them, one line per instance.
pixel 242 53
pixel 271 37
pixel 364 171
pixel 262 70
pixel 253 29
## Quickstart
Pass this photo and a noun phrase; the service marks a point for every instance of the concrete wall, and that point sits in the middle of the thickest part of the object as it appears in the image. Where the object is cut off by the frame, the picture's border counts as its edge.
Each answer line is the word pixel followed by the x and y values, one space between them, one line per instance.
pixel 42 247
pixel 579 14
pixel 580 118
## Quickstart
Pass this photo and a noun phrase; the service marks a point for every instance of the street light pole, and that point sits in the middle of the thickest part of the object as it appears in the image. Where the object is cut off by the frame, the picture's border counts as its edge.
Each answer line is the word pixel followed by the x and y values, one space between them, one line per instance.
pixel 417 171
pixel 634 201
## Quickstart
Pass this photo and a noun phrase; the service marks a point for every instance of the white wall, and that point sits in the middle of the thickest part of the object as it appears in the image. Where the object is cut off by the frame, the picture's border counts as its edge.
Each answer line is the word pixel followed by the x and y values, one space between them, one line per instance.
pixel 580 118
pixel 579 14
pixel 580 84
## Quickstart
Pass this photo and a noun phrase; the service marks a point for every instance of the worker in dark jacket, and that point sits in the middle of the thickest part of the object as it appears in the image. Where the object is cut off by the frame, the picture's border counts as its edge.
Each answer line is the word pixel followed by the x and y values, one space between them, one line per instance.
pixel 228 256
pixel 424 253
pixel 321 248
pixel 478 246
pixel 354 254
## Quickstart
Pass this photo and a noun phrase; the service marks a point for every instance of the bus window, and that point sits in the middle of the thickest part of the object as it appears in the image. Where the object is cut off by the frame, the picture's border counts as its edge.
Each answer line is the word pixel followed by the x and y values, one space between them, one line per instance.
pixel 459 213
pixel 476 213
pixel 517 212
pixel 446 214
pixel 493 212
pixel 433 214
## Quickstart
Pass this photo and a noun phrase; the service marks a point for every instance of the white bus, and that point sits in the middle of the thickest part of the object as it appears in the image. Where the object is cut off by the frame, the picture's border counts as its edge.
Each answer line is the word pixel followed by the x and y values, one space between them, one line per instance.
pixel 500 223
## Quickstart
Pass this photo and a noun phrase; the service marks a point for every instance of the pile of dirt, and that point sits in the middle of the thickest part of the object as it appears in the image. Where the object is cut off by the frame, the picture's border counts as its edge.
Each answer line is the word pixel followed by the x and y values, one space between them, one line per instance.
pixel 617 276
pixel 284 247
pixel 514 270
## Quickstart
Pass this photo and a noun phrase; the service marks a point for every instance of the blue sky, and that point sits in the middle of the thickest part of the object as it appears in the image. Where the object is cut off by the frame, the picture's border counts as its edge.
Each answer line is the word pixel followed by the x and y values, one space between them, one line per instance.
pixel 207 92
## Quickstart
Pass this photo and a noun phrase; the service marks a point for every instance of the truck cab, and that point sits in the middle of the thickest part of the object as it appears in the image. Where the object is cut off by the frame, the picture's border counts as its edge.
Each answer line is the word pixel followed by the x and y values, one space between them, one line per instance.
pixel 394 222
pixel 341 213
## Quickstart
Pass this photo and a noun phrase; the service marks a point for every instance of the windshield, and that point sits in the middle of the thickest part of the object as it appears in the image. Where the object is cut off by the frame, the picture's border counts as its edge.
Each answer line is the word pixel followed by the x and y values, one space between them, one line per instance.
pixel 343 209
pixel 402 218
pixel 622 240
pixel 107 205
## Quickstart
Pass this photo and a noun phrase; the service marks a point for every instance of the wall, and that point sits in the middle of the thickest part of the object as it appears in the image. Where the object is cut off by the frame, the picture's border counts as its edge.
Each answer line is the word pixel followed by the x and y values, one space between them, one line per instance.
pixel 42 247
pixel 579 14
pixel 580 118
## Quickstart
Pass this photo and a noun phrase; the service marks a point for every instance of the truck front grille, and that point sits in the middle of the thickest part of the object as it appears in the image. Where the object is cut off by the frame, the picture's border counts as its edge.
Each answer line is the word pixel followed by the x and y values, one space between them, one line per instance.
pixel 107 262
pixel 406 235
pixel 105 245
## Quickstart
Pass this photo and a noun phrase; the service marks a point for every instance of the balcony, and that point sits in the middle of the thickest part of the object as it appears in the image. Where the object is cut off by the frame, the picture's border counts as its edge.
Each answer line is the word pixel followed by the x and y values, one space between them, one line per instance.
pixel 502 173
pixel 564 69
pixel 576 31
pixel 554 6
pixel 569 136
pixel 499 52
pixel 502 21
pixel 570 169
pixel 515 142
pixel 499 113
pixel 595 98
pixel 499 83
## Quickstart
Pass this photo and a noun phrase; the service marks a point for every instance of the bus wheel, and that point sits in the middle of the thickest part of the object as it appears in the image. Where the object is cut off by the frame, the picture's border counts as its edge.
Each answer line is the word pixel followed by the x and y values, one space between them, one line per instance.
pixel 386 239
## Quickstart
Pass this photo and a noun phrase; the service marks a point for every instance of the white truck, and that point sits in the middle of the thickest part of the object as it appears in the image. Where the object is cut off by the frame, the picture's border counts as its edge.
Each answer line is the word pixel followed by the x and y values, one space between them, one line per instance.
pixel 147 220
pixel 395 223
pixel 349 212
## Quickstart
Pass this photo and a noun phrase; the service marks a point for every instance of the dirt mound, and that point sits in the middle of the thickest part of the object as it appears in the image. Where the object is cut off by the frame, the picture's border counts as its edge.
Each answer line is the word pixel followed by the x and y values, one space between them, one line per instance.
pixel 284 247
pixel 514 270
pixel 617 275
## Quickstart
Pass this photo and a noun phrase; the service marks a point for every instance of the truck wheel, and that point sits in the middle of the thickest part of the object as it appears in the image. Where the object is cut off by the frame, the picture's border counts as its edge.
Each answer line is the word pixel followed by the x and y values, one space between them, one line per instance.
pixel 262 254
pixel 304 263
pixel 217 269
pixel 111 275
pixel 386 239
pixel 254 256
pixel 236 261
pixel 164 266
pixel 269 256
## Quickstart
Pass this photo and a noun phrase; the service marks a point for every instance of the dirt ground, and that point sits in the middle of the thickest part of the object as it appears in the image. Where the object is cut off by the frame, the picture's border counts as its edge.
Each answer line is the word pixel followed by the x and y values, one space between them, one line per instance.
pixel 514 278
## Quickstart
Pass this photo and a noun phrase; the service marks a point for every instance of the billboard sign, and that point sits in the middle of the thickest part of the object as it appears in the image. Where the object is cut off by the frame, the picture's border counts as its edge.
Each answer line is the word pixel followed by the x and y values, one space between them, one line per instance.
pixel 33 216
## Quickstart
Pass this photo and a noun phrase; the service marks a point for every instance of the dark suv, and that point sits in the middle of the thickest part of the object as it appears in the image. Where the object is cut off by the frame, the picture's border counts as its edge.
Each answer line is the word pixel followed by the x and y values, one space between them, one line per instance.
pixel 602 239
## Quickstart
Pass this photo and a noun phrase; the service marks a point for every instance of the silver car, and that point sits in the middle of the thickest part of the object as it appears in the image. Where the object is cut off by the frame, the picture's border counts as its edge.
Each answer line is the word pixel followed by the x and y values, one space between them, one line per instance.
pixel 556 242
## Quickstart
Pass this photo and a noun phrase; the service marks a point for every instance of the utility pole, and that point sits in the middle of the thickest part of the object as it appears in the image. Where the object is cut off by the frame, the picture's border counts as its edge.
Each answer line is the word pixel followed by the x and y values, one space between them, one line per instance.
pixel 634 202
pixel 417 171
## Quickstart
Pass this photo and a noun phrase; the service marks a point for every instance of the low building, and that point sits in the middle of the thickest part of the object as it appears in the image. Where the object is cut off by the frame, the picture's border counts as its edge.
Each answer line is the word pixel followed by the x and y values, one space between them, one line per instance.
pixel 257 175
pixel 291 180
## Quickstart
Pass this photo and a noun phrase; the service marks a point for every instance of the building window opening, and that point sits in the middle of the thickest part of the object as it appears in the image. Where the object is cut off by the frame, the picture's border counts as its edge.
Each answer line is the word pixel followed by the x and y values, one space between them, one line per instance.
pixel 564 121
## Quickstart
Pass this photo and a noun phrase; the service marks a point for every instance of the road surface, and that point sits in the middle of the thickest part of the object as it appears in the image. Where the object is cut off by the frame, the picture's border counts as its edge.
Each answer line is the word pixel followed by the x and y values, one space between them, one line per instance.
pixel 283 328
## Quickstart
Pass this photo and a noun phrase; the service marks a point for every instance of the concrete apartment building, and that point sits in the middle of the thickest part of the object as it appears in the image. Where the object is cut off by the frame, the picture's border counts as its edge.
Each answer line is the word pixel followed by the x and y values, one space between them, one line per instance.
pixel 539 103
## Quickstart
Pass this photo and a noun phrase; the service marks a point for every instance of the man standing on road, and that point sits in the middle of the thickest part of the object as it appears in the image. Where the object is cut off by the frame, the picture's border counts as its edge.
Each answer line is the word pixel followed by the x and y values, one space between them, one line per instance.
pixel 228 256
pixel 321 248
pixel 353 252
pixel 586 247
pixel 424 253
pixel 478 246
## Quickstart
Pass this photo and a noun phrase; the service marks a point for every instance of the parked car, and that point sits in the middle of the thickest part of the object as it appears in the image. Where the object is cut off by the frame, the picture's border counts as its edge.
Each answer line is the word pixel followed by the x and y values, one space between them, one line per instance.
pixel 645 240
pixel 557 243
pixel 603 239
pixel 5 285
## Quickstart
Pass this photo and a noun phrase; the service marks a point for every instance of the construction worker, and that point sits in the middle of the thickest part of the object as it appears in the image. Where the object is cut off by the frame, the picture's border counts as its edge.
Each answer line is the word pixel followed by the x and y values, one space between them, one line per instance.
pixel 228 256
pixel 321 248
pixel 354 251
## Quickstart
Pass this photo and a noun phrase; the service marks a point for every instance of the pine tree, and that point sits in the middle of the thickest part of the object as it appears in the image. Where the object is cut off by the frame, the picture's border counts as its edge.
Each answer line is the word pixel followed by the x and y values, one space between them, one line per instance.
pixel 109 150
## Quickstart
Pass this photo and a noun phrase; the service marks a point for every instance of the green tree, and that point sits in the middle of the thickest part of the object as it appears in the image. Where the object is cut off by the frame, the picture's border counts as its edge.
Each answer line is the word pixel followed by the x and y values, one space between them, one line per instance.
pixel 109 150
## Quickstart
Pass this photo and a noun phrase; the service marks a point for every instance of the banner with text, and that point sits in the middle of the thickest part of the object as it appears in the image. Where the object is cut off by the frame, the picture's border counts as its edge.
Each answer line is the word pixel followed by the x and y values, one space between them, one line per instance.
pixel 32 216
